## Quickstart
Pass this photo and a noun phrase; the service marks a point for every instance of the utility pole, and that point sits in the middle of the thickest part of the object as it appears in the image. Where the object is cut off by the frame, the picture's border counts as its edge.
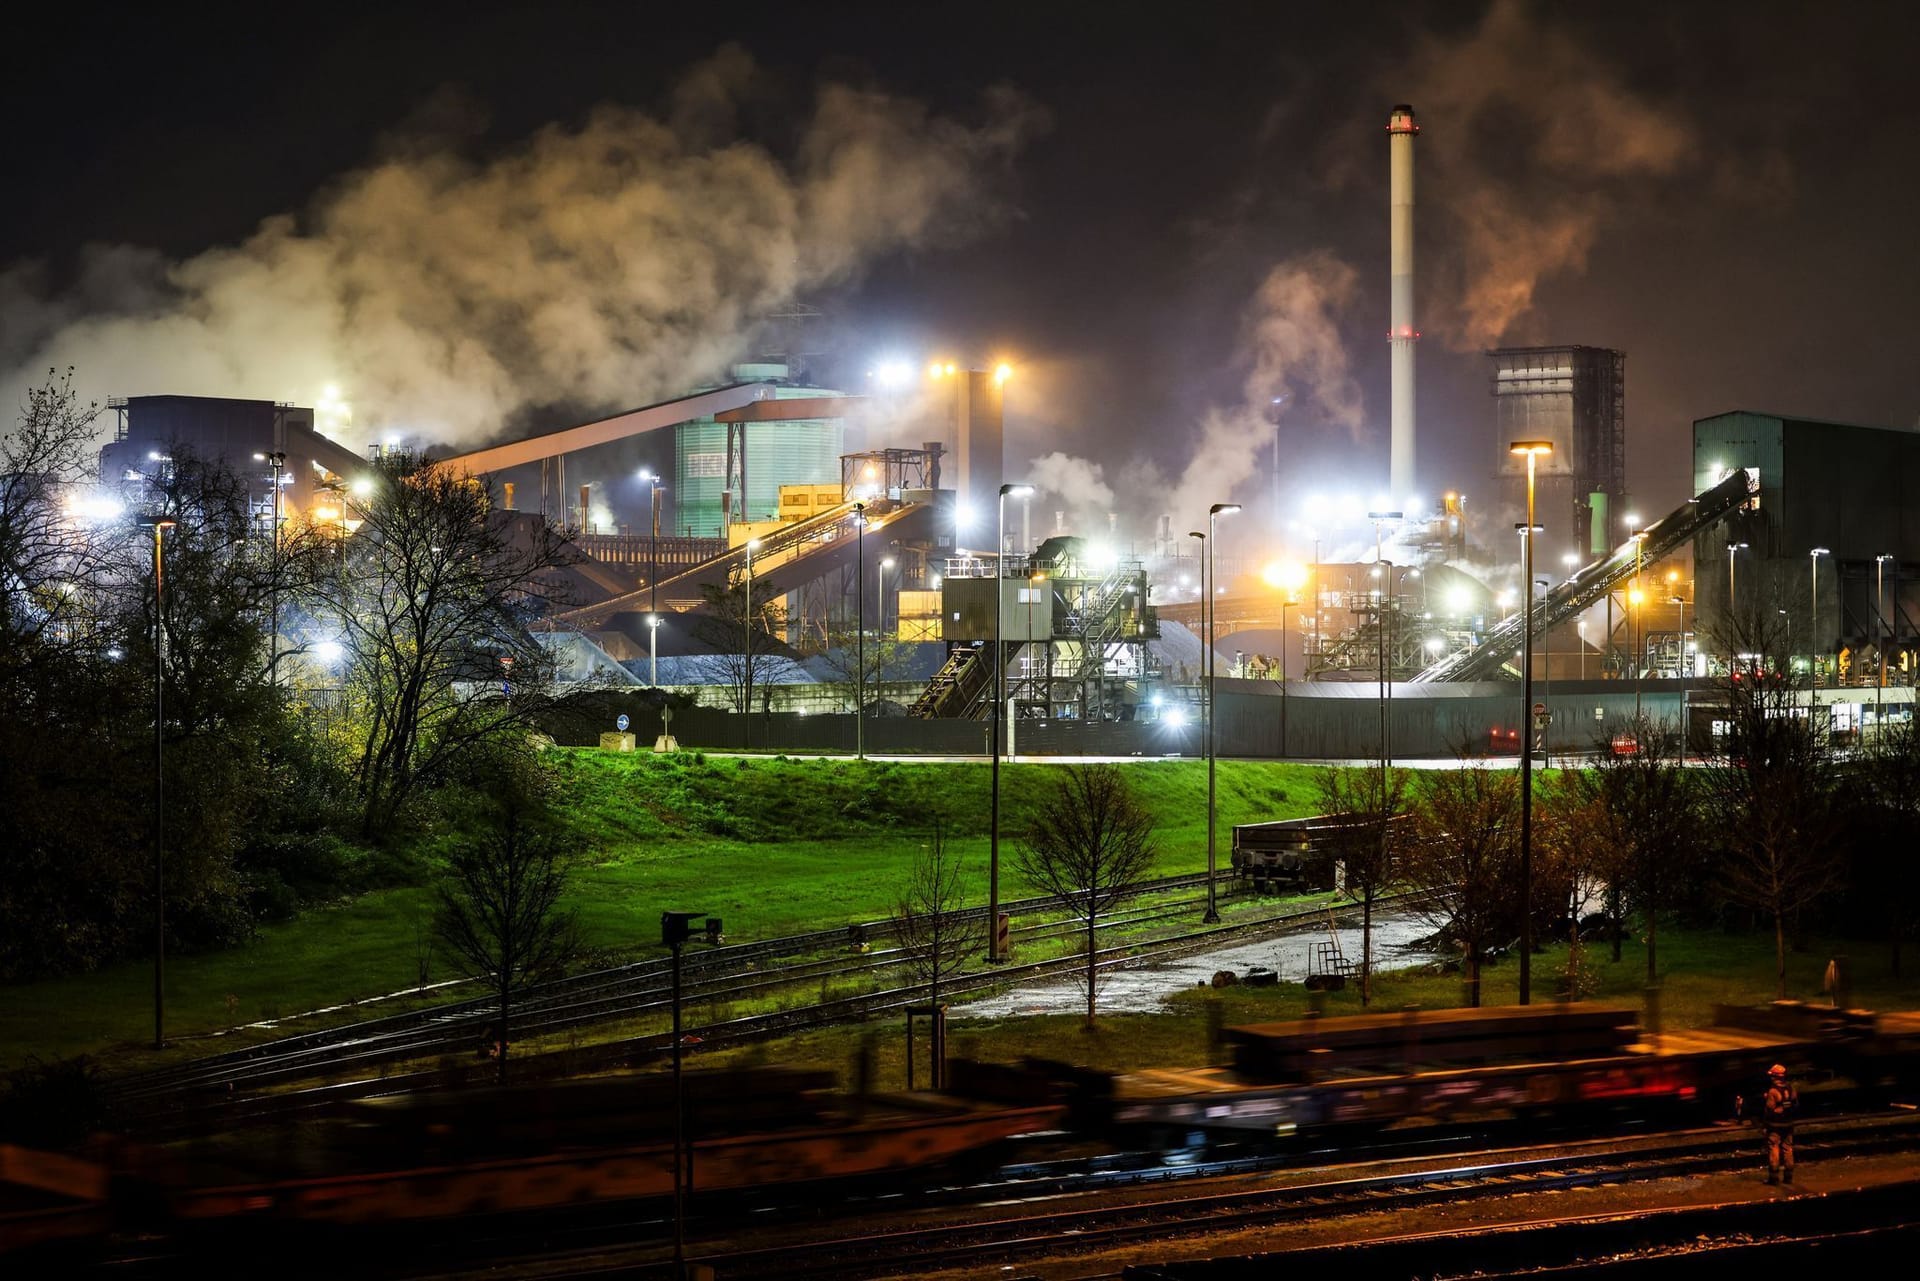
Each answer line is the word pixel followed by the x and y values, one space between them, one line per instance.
pixel 1532 450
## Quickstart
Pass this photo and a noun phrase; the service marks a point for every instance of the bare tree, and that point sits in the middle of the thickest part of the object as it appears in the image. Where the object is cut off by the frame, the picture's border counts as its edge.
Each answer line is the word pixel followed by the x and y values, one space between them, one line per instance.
pixel 1634 818
pixel 499 916
pixel 930 916
pixel 44 456
pixel 437 601
pixel 1089 843
pixel 1770 789
pixel 881 659
pixel 1465 860
pixel 741 631
pixel 1363 832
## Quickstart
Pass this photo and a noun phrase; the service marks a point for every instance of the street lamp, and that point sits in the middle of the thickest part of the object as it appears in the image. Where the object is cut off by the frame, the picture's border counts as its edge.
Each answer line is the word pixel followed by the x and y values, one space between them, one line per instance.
pixel 1580 628
pixel 1636 598
pixel 1813 609
pixel 675 929
pixel 880 595
pixel 994 952
pixel 1285 605
pixel 1213 724
pixel 1880 618
pixel 1532 451
pixel 160 526
pixel 746 643
pixel 1379 519
pixel 1732 554
pixel 859 630
pixel 276 461
pixel 653 513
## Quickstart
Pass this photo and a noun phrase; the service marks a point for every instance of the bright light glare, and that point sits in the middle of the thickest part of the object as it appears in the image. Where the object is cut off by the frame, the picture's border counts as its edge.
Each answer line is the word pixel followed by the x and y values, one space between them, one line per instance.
pixel 1506 600
pixel 1002 372
pixel 963 516
pixel 1102 557
pixel 892 373
pixel 361 487
pixel 1286 575
pixel 95 509
pixel 1459 600
pixel 329 651
pixel 1435 645
pixel 1175 717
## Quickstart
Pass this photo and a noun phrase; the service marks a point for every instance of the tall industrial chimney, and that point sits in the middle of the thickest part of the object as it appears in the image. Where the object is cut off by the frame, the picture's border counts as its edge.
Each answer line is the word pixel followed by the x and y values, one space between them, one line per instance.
pixel 1402 334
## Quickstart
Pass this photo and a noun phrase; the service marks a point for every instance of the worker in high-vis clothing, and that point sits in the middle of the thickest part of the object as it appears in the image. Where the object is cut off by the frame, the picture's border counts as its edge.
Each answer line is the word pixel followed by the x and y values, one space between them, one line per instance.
pixel 1779 1107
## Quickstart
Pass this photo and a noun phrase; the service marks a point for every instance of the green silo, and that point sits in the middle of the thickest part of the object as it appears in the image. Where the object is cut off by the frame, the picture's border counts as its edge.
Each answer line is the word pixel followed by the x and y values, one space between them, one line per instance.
pixel 778 453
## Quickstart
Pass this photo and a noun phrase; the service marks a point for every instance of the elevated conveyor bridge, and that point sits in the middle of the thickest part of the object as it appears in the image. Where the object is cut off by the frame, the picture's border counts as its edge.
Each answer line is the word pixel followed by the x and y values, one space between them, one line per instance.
pixel 1568 600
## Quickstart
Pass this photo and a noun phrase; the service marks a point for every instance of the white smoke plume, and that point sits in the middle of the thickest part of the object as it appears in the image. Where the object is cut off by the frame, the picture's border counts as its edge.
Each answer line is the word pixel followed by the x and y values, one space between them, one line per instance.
pixel 1078 485
pixel 604 263
pixel 1293 349
pixel 1529 139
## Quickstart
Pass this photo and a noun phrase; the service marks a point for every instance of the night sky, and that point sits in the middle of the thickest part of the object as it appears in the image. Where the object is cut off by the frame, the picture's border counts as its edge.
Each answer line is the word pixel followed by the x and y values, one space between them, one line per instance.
pixel 1726 193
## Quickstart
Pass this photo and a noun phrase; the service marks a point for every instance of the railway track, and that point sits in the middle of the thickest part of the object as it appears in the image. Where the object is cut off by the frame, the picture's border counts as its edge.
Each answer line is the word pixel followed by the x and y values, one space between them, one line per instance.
pixel 639 992
pixel 591 994
pixel 1025 1234
pixel 1018 1218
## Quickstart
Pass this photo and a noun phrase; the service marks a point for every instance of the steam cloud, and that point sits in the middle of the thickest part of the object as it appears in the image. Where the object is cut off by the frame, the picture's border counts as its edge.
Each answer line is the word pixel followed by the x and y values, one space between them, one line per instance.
pixel 1293 352
pixel 1532 136
pixel 1294 348
pixel 601 264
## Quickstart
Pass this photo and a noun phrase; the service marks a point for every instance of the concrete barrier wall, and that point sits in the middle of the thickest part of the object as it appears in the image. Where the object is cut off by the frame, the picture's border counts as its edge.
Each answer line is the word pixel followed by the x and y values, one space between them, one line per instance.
pixel 1320 722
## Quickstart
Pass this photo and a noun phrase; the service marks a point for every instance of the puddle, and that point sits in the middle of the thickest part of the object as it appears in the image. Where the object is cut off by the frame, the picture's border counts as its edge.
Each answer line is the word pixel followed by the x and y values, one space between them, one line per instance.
pixel 1144 990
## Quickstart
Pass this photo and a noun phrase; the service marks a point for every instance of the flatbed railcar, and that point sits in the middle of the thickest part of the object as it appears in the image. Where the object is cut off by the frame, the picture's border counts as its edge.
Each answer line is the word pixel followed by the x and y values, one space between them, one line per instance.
pixel 1367 1072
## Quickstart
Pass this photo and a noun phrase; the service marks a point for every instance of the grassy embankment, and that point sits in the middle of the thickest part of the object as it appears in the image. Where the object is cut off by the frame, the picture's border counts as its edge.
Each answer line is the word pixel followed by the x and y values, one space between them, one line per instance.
pixel 773 846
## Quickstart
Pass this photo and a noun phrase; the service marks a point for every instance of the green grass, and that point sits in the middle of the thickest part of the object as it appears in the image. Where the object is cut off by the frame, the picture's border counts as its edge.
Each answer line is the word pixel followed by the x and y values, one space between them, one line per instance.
pixel 774 846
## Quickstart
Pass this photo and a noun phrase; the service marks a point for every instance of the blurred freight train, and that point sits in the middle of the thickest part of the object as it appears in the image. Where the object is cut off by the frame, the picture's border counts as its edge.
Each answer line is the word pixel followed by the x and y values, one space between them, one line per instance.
pixel 415 1158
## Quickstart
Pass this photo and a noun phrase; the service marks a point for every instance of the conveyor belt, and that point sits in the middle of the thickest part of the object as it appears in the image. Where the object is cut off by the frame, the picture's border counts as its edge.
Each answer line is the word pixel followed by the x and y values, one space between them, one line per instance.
pixel 1566 601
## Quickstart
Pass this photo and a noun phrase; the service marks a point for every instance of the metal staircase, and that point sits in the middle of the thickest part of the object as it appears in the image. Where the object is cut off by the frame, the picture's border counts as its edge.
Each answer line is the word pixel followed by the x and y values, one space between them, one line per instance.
pixel 1576 595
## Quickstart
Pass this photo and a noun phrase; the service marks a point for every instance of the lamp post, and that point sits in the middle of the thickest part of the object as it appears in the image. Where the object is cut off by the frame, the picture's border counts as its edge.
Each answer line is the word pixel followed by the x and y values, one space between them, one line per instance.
pixel 1880 642
pixel 653 650
pixel 1580 629
pixel 1379 519
pixel 1285 605
pixel 746 643
pixel 1680 616
pixel 1733 550
pixel 994 952
pixel 675 929
pixel 1637 598
pixel 1213 724
pixel 276 461
pixel 653 515
pixel 860 630
pixel 1532 451
pixel 1813 610
pixel 160 526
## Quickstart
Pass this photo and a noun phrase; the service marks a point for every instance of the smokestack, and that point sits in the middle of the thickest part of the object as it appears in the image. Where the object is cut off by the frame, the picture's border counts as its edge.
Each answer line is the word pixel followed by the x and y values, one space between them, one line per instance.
pixel 1401 334
pixel 586 506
